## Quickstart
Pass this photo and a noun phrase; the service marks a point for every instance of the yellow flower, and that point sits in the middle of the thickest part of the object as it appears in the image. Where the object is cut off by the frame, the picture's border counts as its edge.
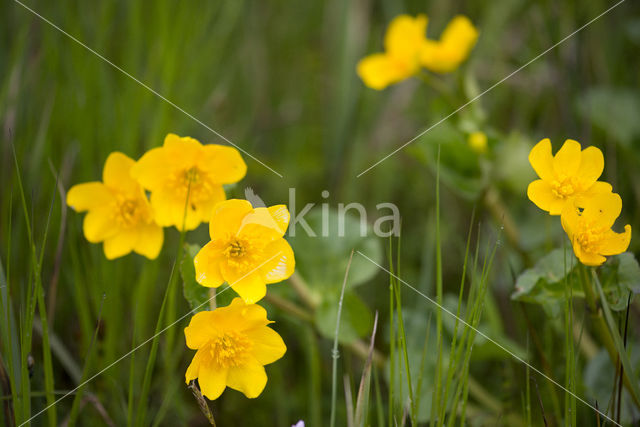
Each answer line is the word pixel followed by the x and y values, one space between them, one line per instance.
pixel 403 44
pixel 456 41
pixel 119 213
pixel 478 142
pixel 588 221
pixel 571 172
pixel 233 344
pixel 184 166
pixel 246 250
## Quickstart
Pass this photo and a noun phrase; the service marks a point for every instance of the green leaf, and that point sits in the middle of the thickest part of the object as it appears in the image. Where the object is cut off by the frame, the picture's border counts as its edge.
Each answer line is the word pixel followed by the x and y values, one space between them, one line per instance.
pixel 620 275
pixel 459 164
pixel 196 295
pixel 355 321
pixel 545 283
pixel 614 110
pixel 322 259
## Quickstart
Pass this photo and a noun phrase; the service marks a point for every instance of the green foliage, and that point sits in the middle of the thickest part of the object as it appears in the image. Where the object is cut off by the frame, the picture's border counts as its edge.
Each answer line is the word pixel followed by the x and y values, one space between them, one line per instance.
pixel 322 259
pixel 614 110
pixel 545 283
pixel 196 295
pixel 355 321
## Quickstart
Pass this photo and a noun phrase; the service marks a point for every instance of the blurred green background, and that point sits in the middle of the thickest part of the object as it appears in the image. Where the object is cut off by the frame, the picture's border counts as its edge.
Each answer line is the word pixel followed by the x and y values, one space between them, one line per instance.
pixel 278 79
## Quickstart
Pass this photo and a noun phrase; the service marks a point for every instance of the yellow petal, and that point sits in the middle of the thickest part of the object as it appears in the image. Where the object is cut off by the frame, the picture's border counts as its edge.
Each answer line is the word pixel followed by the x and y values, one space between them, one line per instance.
pixel 567 160
pixel 122 243
pixel 570 217
pixel 169 209
pixel 149 241
pixel 461 34
pixel 281 215
pixel 89 195
pixel 541 160
pixel 250 379
pixel 202 210
pixel 117 173
pixel 405 36
pixel 598 187
pixel 260 225
pixel 224 163
pixel 455 43
pixel 207 264
pixel 194 367
pixel 227 217
pixel 202 327
pixel 591 166
pixel 540 193
pixel 267 345
pixel 249 285
pixel 601 209
pixel 212 380
pixel 588 258
pixel 616 243
pixel 152 169
pixel 183 151
pixel 98 224
pixel 379 70
pixel 282 263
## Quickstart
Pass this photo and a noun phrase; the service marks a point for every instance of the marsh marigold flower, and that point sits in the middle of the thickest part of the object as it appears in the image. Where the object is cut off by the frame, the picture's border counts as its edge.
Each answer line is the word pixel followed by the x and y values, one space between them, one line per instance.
pixel 233 344
pixel 588 221
pixel 454 46
pixel 406 49
pixel 403 44
pixel 247 249
pixel 571 172
pixel 118 211
pixel 184 166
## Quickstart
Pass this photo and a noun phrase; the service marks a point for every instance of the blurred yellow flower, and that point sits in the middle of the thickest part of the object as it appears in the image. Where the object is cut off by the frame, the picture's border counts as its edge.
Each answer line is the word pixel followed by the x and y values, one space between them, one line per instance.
pixel 247 249
pixel 478 142
pixel 184 166
pixel 233 344
pixel 403 44
pixel 456 41
pixel 119 213
pixel 588 221
pixel 571 172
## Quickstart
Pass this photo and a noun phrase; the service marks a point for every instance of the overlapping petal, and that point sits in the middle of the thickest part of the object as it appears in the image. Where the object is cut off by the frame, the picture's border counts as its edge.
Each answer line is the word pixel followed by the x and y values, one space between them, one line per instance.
pixel 233 344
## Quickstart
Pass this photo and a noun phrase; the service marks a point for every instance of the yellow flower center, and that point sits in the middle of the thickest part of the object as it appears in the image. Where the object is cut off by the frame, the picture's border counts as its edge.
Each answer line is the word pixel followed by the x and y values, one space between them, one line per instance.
pixel 129 212
pixel 194 181
pixel 242 254
pixel 589 237
pixel 230 349
pixel 564 187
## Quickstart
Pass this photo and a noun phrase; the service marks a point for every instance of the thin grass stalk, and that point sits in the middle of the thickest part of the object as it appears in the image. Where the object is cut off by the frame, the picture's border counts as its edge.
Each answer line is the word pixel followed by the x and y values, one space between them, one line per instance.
pixel 403 344
pixel 438 383
pixel 334 353
pixel 453 366
pixel 392 345
pixel 477 313
pixel 362 400
pixel 379 405
pixel 77 398
pixel 35 297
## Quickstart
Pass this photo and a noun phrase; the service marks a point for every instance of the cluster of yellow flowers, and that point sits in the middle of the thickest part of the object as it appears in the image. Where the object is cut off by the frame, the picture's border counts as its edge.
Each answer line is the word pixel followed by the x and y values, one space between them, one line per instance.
pixel 569 187
pixel 119 213
pixel 247 250
pixel 407 50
